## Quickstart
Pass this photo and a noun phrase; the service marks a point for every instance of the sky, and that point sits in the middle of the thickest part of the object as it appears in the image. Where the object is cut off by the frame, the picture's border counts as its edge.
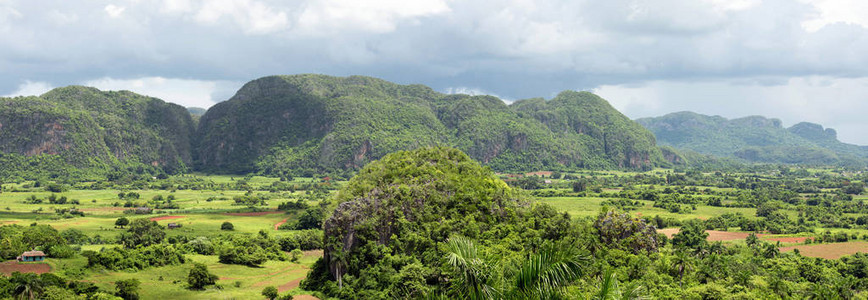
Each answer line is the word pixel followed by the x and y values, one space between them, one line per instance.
pixel 794 60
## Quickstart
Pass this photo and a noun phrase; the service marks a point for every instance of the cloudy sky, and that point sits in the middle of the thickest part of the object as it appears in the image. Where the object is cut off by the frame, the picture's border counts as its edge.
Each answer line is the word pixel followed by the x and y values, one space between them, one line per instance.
pixel 793 60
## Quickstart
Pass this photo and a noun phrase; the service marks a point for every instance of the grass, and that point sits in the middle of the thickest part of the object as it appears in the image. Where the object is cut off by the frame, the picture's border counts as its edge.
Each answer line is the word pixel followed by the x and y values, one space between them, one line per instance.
pixel 170 282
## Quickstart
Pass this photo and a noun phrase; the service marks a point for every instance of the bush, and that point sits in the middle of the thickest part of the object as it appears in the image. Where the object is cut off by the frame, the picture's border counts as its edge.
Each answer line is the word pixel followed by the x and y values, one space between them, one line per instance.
pixel 304 240
pixel 61 251
pixel 199 277
pixel 270 292
pixel 227 226
pixel 135 259
pixel 295 255
pixel 127 289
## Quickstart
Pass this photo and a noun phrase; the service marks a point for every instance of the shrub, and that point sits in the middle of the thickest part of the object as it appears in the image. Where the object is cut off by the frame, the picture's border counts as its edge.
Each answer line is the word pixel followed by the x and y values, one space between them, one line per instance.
pixel 227 226
pixel 199 277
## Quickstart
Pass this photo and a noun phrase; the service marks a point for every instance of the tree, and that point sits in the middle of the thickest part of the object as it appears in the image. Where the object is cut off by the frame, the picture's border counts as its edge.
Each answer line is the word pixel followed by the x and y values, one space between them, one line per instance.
pixel 542 275
pixel 610 288
pixel 682 263
pixel 122 221
pixel 27 285
pixel 127 289
pixel 692 235
pixel 580 185
pixel 199 277
pixel 227 226
pixel 751 239
pixel 270 292
pixel 295 255
pixel 142 232
pixel 310 219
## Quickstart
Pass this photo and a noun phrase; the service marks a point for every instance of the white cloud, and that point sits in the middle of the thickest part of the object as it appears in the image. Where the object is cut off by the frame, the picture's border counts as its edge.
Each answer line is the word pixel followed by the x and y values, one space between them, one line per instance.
pixel 114 11
pixel 474 92
pixel 379 16
pixel 837 11
pixel 185 92
pixel 31 88
pixel 705 55
pixel 252 16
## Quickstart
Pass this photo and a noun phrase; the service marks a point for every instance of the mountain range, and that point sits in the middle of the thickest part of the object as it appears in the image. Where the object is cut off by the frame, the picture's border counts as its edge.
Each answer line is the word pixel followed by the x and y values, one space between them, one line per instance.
pixel 754 139
pixel 305 124
pixel 302 124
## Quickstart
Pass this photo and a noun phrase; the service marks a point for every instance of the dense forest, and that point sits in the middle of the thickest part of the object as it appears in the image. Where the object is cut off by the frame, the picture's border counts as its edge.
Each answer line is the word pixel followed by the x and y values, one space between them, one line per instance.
pixel 755 139
pixel 305 124
pixel 434 224
pixel 80 131
pixel 283 124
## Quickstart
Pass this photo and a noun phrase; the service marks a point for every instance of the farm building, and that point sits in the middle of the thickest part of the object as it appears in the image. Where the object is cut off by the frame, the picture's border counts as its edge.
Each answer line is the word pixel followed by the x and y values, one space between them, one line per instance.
pixel 32 256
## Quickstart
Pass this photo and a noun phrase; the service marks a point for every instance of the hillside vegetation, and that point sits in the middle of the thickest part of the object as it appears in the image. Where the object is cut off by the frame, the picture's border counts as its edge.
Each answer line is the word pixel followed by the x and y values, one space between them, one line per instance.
pixel 83 130
pixel 312 123
pixel 755 139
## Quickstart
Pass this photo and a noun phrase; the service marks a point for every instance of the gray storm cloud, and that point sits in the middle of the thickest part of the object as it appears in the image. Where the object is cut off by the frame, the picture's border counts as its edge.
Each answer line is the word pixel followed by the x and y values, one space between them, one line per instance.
pixel 802 60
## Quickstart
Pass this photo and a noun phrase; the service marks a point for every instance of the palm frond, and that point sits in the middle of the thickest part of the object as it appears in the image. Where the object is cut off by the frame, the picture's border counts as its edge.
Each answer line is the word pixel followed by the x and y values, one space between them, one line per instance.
pixel 544 274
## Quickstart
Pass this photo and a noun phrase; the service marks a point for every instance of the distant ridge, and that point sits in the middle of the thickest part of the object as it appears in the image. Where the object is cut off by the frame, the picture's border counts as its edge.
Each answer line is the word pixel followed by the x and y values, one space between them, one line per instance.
pixel 754 139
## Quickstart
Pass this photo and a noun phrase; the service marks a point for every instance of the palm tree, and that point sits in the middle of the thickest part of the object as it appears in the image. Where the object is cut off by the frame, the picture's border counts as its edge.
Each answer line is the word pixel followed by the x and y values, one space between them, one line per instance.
pixel 29 287
pixel 683 263
pixel 610 288
pixel 542 275
pixel 474 279
pixel 339 259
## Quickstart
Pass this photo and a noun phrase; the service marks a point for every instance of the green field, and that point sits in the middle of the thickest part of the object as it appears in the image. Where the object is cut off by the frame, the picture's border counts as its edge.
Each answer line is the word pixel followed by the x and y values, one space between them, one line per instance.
pixel 198 217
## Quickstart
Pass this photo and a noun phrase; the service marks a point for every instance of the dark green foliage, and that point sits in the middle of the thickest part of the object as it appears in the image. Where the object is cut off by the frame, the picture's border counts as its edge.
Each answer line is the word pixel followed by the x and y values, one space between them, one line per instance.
pixel 199 277
pixel 135 259
pixel 122 221
pixel 142 233
pixel 127 289
pixel 304 240
pixel 541 275
pixel 75 236
pixel 692 235
pixel 47 286
pixel 15 239
pixel 310 218
pixel 297 125
pixel 754 139
pixel 227 226
pixel 621 231
pixel 82 132
pixel 246 250
pixel 394 215
pixel 270 292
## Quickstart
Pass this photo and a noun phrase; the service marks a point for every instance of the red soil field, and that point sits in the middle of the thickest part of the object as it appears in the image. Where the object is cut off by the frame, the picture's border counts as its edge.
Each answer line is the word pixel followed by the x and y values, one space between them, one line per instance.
pixel 289 285
pixel 166 218
pixel 279 223
pixel 8 267
pixel 797 239
pixel 253 214
pixel 829 251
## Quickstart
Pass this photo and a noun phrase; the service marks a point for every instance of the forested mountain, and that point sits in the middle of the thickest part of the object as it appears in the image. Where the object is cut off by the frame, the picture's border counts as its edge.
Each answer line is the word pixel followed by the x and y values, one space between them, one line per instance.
pixel 754 139
pixel 79 129
pixel 286 124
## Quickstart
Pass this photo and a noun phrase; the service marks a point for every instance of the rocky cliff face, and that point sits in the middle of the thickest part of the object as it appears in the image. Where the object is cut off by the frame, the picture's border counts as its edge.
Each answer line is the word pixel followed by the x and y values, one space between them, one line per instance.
pixel 89 128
